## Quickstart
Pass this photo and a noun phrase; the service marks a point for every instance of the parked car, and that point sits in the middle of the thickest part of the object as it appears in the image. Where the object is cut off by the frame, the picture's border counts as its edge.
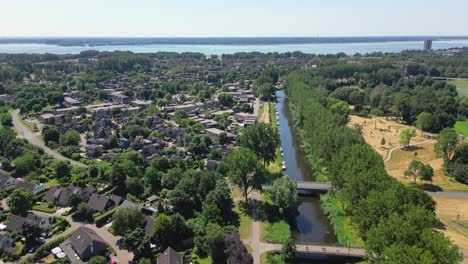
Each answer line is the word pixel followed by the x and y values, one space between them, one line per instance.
pixel 33 249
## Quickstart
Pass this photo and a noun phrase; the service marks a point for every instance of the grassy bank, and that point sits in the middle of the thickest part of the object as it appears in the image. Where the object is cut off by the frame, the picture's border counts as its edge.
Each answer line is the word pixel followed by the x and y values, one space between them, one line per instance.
pixel 275 167
pixel 462 87
pixel 276 232
pixel 462 127
pixel 345 231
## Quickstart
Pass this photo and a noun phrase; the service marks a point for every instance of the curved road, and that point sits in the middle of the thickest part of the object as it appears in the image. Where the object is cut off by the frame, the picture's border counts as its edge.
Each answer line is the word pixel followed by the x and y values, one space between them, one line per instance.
pixel 24 132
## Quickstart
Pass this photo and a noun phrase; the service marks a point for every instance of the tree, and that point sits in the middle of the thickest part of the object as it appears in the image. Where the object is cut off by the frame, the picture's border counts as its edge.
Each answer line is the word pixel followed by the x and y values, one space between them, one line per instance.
pixel 446 144
pixel 284 197
pixel 31 232
pixel 20 201
pixel 382 141
pixel 245 171
pixel 406 135
pixel 223 138
pixel 6 119
pixel 137 242
pixel 118 178
pixel 62 168
pixel 24 164
pixel 214 242
pixel 135 186
pixel 162 231
pixel 417 169
pixel 262 139
pixel 426 173
pixel 425 121
pixel 288 250
pixel 235 250
pixel 97 260
pixel 50 134
pixel 226 100
pixel 70 138
pixel 126 219
pixel 221 197
pixel 83 212
pixel 74 200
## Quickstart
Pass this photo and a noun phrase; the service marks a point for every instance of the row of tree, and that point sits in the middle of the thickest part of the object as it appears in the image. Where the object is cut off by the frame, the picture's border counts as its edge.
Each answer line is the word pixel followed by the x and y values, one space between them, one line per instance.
pixel 396 222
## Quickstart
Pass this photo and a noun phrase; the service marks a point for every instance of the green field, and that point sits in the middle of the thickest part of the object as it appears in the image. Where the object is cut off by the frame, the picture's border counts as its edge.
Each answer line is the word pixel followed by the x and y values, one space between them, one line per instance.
pixel 462 87
pixel 462 127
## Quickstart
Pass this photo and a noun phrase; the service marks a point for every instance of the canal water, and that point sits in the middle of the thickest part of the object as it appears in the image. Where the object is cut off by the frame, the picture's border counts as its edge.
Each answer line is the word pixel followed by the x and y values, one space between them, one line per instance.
pixel 311 225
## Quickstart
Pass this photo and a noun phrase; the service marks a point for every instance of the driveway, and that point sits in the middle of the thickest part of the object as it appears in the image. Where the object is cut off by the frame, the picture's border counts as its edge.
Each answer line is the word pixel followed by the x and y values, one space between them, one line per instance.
pixel 24 132
pixel 123 256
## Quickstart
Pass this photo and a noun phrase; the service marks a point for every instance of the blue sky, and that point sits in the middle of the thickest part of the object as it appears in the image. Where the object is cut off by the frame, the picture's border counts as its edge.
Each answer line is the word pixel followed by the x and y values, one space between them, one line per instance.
pixel 235 18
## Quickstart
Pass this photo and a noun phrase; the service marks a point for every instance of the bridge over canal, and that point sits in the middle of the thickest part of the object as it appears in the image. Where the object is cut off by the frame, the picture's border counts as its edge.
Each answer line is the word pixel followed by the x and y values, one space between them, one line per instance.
pixel 322 249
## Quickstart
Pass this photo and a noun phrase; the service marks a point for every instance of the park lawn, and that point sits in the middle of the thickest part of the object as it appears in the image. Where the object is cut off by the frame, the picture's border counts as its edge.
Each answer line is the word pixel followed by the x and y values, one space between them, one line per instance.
pixel 453 212
pixel 276 232
pixel 462 127
pixel 245 224
pixel 376 128
pixel 424 153
pixel 245 221
pixel 462 87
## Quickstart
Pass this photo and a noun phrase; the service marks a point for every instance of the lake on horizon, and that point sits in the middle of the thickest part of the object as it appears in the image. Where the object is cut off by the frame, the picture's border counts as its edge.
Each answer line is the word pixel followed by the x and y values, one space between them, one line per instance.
pixel 314 48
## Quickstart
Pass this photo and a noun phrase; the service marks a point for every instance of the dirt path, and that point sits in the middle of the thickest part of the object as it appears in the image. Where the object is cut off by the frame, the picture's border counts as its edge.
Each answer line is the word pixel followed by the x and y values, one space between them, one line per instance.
pixel 389 154
pixel 265 118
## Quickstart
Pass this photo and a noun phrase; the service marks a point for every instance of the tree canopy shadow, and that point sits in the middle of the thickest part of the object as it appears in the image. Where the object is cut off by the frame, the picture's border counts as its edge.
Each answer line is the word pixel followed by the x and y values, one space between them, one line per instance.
pixel 430 187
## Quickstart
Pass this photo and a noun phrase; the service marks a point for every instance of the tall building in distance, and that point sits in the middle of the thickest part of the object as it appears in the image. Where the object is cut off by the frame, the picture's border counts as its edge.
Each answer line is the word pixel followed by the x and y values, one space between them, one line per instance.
pixel 428 44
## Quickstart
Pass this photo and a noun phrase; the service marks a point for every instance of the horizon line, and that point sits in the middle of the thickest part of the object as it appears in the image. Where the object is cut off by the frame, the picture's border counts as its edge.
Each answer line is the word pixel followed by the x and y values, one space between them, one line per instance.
pixel 204 37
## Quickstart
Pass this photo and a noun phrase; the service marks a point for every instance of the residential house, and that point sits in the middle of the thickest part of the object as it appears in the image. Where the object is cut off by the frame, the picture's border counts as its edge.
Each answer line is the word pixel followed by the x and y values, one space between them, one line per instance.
pixel 29 186
pixel 87 243
pixel 170 256
pixel 6 242
pixel 120 98
pixel 16 222
pixel 59 195
pixel 6 180
pixel 100 203
pixel 93 151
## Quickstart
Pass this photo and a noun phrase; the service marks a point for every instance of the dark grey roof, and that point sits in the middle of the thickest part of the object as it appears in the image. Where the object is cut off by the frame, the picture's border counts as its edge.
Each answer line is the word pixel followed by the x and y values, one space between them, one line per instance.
pixel 4 177
pixel 29 186
pixel 16 222
pixel 98 202
pixel 87 243
pixel 149 224
pixel 170 256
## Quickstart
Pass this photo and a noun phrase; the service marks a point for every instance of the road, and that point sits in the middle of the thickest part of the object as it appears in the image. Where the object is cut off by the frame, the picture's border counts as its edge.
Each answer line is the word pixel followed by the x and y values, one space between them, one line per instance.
pixel 24 132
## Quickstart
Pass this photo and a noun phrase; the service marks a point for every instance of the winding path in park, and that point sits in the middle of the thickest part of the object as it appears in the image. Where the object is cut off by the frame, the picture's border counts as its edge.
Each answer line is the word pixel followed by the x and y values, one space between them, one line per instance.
pixel 389 153
pixel 24 132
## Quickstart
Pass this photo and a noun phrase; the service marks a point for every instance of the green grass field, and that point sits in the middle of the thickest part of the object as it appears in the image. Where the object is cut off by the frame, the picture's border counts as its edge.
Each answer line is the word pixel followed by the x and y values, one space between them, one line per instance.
pixel 277 232
pixel 462 127
pixel 462 87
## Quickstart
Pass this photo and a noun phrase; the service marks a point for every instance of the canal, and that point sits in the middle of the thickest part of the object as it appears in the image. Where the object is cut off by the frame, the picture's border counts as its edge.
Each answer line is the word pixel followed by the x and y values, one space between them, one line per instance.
pixel 311 225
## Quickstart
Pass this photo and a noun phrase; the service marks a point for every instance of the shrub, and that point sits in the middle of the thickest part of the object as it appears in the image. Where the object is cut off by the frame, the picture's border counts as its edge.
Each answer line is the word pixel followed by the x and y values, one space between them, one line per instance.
pixel 101 219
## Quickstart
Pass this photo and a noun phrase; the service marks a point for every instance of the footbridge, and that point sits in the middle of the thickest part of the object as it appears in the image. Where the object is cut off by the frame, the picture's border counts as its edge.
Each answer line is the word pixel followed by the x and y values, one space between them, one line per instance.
pixel 324 249
pixel 322 187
